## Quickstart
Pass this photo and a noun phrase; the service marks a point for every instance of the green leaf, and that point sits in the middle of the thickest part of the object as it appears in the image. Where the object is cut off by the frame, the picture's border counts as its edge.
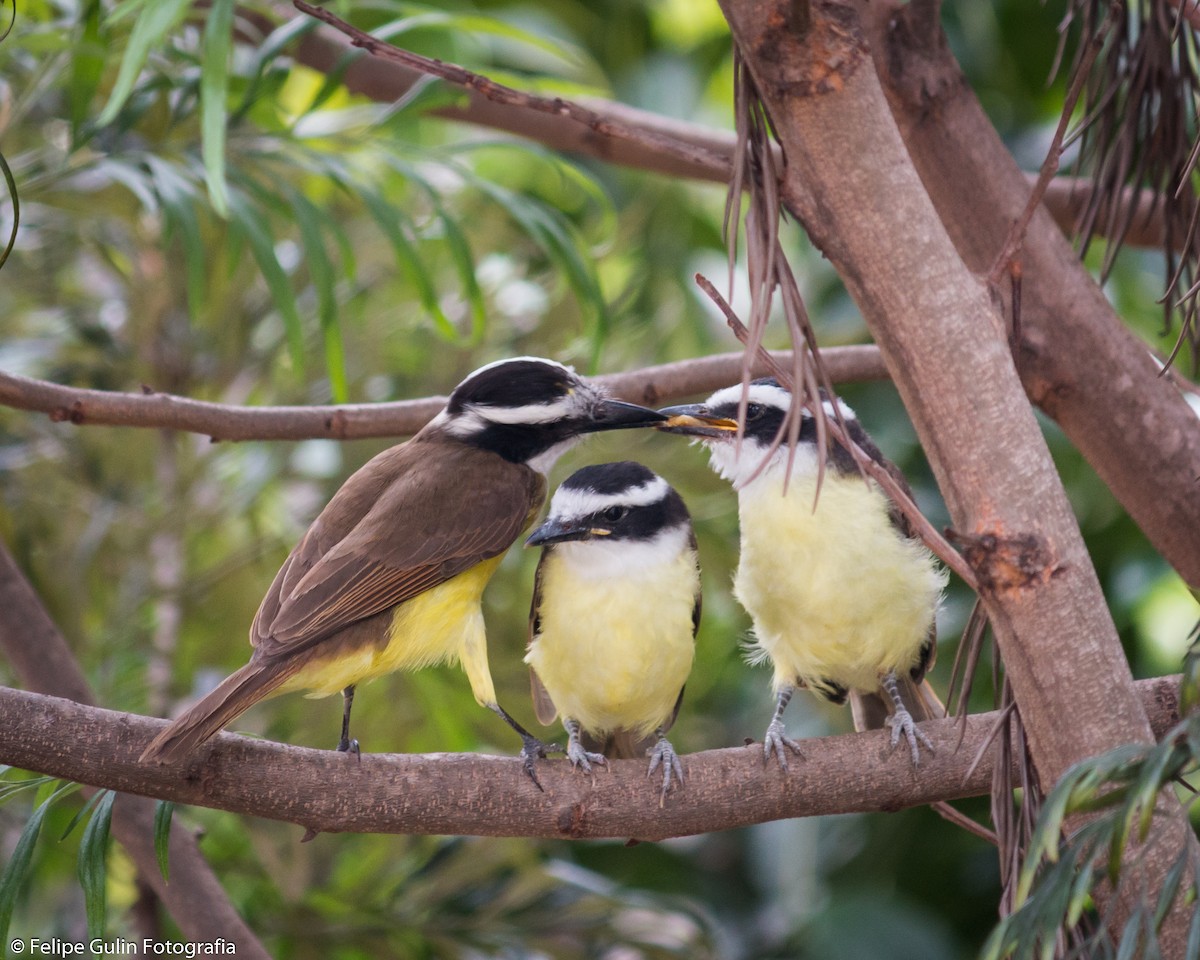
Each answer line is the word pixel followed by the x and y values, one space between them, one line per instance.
pixel 389 219
pixel 214 87
pixel 311 223
pixel 467 24
pixel 252 225
pixel 87 67
pixel 93 862
pixel 164 810
pixel 177 195
pixel 13 878
pixel 152 25
pixel 80 814
pixel 275 43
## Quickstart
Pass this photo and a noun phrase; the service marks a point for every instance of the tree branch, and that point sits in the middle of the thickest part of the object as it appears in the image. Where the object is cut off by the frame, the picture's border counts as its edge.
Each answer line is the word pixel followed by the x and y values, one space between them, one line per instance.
pixel 1077 360
pixel 651 386
pixel 946 346
pixel 696 153
pixel 40 656
pixel 472 794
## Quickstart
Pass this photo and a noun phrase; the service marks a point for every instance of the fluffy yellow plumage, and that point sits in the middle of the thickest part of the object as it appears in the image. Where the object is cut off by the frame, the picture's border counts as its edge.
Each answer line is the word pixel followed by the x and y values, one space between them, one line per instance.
pixel 613 652
pixel 864 602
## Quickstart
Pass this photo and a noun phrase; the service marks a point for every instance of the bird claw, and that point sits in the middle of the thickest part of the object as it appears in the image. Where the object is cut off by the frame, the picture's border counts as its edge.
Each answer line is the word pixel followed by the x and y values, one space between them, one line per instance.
pixel 902 722
pixel 349 746
pixel 774 740
pixel 533 750
pixel 664 755
pixel 581 758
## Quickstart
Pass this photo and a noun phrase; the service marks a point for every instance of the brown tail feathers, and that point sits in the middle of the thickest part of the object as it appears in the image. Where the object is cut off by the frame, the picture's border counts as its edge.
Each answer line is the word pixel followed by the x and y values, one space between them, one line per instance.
pixel 233 696
pixel 870 710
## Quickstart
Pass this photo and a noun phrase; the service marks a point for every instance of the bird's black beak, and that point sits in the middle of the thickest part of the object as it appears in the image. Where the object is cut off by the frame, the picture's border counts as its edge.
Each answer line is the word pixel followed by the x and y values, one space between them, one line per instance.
pixel 693 420
pixel 619 415
pixel 555 530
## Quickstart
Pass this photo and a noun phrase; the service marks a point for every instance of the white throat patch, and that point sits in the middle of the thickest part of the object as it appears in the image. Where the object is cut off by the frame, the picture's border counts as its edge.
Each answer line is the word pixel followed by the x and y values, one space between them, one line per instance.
pixel 604 559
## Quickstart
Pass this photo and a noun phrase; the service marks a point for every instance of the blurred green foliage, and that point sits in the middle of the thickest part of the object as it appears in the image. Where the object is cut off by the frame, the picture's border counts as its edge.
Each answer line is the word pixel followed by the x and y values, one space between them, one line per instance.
pixel 209 219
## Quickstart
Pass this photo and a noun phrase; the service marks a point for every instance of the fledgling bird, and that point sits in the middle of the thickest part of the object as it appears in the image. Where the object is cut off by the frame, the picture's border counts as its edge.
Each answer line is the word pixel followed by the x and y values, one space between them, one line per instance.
pixel 390 574
pixel 616 606
pixel 841 592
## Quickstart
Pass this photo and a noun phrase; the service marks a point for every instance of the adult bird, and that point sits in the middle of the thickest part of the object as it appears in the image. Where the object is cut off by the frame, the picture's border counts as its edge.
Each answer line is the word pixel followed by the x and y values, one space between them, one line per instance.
pixel 615 610
pixel 390 574
pixel 841 592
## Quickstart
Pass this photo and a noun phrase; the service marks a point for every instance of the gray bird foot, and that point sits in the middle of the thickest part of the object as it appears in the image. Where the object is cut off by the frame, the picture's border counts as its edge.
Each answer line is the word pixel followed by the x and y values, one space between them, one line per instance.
pixel 533 750
pixel 349 746
pixel 582 759
pixel 774 740
pixel 664 755
pixel 902 722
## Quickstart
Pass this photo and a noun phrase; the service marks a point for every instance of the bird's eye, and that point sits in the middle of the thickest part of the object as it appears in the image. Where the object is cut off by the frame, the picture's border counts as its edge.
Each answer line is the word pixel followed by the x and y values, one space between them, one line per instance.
pixel 613 514
pixel 754 411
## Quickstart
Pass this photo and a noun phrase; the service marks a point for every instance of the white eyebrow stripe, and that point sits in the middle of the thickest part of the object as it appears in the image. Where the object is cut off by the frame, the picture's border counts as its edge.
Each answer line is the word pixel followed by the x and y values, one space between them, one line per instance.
pixel 559 409
pixel 769 396
pixel 579 502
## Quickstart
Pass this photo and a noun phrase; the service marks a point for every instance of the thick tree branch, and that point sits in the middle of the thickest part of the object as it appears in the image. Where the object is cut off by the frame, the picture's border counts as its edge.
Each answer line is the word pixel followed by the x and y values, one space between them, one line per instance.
pixel 1076 359
pixel 946 346
pixel 491 796
pixel 41 658
pixel 651 386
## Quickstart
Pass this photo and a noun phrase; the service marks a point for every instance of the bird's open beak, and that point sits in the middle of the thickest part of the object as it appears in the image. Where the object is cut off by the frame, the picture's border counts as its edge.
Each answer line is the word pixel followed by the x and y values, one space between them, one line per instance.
pixel 619 415
pixel 555 530
pixel 692 420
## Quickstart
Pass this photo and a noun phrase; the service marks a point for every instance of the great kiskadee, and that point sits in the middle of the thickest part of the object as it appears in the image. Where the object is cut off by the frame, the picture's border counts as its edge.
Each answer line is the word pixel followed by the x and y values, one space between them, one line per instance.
pixel 390 575
pixel 616 605
pixel 841 593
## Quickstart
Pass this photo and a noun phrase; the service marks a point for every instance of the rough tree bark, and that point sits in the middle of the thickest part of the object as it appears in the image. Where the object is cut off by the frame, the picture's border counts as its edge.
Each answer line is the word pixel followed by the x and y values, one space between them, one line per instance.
pixel 473 794
pixel 1076 359
pixel 851 182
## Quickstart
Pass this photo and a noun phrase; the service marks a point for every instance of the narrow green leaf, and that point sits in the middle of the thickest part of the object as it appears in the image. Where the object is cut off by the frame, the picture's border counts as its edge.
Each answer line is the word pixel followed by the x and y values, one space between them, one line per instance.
pixel 1130 939
pixel 460 252
pixel 214 87
pixel 251 224
pixel 164 810
pixel 312 223
pixel 1193 938
pixel 92 866
pixel 266 52
pixel 388 218
pixel 178 196
pixel 80 814
pixel 13 878
pixel 1170 887
pixel 153 23
pixel 87 67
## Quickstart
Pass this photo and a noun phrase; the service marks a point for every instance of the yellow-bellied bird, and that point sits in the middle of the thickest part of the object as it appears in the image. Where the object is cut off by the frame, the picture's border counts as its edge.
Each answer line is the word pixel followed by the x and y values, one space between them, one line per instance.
pixel 842 594
pixel 615 611
pixel 390 575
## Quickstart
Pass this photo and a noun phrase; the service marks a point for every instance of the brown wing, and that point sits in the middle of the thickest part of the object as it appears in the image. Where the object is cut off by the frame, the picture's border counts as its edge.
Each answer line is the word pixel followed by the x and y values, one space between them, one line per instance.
pixel 412 518
pixel 543 706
